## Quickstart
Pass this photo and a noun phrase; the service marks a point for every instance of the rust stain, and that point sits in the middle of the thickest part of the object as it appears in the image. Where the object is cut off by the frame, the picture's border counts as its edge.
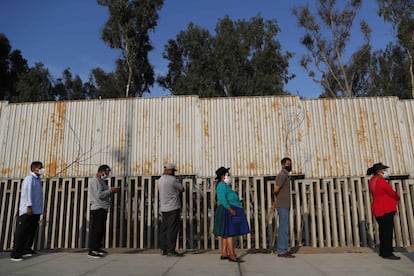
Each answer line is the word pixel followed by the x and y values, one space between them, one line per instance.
pixel 206 129
pixel 178 129
pixel 252 166
pixel 58 119
pixel 6 171
pixel 52 167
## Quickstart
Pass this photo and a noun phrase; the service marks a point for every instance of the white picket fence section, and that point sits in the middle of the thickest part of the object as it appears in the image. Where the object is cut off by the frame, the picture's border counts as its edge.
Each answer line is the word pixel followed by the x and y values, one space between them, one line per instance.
pixel 325 213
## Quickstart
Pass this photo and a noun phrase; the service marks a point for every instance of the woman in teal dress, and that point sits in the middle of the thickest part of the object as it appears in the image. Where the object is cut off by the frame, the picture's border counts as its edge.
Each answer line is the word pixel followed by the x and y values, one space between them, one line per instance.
pixel 230 219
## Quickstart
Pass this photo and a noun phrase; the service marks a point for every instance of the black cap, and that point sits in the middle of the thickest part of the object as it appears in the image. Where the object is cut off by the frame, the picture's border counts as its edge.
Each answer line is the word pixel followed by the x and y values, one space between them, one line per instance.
pixel 104 168
pixel 376 167
pixel 221 171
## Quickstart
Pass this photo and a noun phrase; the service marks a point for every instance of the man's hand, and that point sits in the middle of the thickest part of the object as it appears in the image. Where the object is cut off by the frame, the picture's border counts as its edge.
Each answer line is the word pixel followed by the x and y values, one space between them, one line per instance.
pixel 114 189
pixel 273 207
pixel 29 210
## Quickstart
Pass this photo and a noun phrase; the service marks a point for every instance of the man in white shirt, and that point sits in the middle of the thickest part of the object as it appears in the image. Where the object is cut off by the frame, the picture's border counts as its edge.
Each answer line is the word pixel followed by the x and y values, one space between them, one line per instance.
pixel 30 209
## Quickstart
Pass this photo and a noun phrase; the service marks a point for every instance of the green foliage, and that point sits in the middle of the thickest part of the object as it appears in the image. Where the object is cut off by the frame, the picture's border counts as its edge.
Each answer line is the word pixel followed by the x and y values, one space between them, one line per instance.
pixel 128 29
pixel 12 66
pixel 401 14
pixel 326 38
pixel 34 86
pixel 388 75
pixel 242 59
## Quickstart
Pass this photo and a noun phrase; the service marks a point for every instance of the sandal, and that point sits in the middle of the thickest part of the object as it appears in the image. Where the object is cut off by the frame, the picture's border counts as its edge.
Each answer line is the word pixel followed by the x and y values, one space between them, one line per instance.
pixel 237 260
pixel 224 257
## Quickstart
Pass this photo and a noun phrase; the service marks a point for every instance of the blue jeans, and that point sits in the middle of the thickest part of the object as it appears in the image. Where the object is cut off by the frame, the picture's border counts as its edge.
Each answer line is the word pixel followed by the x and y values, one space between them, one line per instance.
pixel 283 231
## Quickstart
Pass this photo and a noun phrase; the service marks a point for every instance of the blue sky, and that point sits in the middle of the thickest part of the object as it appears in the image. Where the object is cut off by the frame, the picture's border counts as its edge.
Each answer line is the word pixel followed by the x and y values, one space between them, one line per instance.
pixel 66 34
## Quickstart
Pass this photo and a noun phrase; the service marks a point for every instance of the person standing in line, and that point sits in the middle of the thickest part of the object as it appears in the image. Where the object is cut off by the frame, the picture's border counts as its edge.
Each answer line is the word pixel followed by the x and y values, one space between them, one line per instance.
pixel 282 204
pixel 229 218
pixel 30 209
pixel 384 207
pixel 170 205
pixel 100 197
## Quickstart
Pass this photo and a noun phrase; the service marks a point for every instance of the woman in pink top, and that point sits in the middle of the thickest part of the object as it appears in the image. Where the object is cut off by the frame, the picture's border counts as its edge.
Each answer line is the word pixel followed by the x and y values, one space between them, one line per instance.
pixel 384 207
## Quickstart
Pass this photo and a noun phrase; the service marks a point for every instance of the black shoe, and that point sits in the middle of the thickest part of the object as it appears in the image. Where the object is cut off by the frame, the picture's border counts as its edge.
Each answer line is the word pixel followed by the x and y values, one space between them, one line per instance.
pixel 174 254
pixel 164 252
pixel 16 258
pixel 391 257
pixel 102 252
pixel 29 253
pixel 94 254
pixel 224 257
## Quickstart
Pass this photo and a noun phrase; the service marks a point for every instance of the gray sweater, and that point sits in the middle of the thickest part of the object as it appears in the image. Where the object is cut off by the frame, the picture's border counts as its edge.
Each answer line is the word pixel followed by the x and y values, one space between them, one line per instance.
pixel 100 194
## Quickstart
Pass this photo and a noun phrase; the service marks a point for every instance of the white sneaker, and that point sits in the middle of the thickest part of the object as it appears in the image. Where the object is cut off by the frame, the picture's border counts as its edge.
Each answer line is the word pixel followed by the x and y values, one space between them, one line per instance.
pixel 16 259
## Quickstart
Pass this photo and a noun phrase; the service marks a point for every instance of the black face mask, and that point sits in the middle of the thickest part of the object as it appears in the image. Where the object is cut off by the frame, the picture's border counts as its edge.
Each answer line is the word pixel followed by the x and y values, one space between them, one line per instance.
pixel 288 168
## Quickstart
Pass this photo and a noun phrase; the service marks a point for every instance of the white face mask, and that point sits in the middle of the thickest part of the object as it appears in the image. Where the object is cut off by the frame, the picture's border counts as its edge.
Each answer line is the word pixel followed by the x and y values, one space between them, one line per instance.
pixel 42 171
pixel 227 179
pixel 105 176
pixel 386 175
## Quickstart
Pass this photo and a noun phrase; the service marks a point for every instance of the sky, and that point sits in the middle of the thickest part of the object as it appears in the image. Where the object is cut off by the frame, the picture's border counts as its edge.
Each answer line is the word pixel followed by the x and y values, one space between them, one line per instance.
pixel 67 34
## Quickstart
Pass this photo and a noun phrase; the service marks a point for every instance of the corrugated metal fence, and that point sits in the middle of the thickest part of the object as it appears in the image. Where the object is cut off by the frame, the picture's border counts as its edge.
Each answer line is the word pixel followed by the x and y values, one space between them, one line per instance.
pixel 325 213
pixel 324 137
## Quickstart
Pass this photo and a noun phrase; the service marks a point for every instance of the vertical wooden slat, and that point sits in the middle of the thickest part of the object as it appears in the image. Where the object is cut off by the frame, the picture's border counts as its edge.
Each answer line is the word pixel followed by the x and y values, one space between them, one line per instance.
pixel 397 226
pixel 361 212
pixel 319 214
pixel 245 183
pixel 354 209
pixel 312 212
pixel 410 212
pixel 333 212
pixel 339 183
pixel 326 216
pixel 185 213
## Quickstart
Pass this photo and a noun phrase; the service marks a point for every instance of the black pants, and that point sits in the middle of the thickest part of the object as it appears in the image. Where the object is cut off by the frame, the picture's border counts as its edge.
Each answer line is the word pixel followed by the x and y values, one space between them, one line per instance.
pixel 386 228
pixel 169 230
pixel 24 235
pixel 97 229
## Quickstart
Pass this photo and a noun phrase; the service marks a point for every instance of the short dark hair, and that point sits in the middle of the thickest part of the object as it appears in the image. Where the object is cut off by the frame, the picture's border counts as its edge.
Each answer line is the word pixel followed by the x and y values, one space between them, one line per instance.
pixel 283 161
pixel 104 168
pixel 36 165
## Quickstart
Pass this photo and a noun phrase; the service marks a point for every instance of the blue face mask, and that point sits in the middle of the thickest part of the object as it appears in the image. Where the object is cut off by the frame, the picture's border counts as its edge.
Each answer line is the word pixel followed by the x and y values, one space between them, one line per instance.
pixel 105 176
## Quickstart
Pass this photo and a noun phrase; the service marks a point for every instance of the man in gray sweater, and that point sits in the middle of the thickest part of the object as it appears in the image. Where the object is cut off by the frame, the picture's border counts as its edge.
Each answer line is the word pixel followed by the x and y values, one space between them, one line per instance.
pixel 100 197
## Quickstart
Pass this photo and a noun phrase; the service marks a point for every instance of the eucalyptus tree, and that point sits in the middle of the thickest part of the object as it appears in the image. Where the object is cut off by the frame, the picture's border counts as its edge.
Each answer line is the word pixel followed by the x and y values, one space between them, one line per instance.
pixel 127 29
pixel 242 58
pixel 401 14
pixel 326 38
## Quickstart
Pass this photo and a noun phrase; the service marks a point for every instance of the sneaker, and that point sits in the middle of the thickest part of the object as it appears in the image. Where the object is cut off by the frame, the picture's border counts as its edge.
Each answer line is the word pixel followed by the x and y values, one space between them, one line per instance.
pixel 16 259
pixel 174 254
pixel 29 253
pixel 286 255
pixel 94 254
pixel 164 252
pixel 102 252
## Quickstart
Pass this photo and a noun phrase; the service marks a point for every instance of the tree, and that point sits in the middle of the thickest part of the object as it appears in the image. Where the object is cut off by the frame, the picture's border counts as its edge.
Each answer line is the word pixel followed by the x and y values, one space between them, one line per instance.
pixel 69 87
pixel 243 58
pixel 401 14
pixel 326 42
pixel 127 29
pixel 34 86
pixel 388 75
pixel 12 66
pixel 104 85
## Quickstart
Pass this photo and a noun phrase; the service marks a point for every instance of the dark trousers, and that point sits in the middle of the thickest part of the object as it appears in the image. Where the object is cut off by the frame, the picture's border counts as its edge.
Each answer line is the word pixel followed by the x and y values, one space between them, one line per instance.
pixel 97 229
pixel 169 230
pixel 386 228
pixel 24 235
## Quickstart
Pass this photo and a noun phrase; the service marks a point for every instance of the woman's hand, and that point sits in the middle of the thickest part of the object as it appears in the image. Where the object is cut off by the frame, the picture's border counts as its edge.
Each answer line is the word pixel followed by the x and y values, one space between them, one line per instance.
pixel 232 211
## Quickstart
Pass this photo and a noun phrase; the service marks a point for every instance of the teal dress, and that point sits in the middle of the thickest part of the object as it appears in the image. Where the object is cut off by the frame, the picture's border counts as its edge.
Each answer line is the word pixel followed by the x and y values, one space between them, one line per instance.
pixel 226 225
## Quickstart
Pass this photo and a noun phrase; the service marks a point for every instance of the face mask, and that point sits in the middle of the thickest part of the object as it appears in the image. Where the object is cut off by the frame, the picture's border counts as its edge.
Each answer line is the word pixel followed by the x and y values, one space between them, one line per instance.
pixel 105 176
pixel 288 168
pixel 227 179
pixel 386 174
pixel 42 171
